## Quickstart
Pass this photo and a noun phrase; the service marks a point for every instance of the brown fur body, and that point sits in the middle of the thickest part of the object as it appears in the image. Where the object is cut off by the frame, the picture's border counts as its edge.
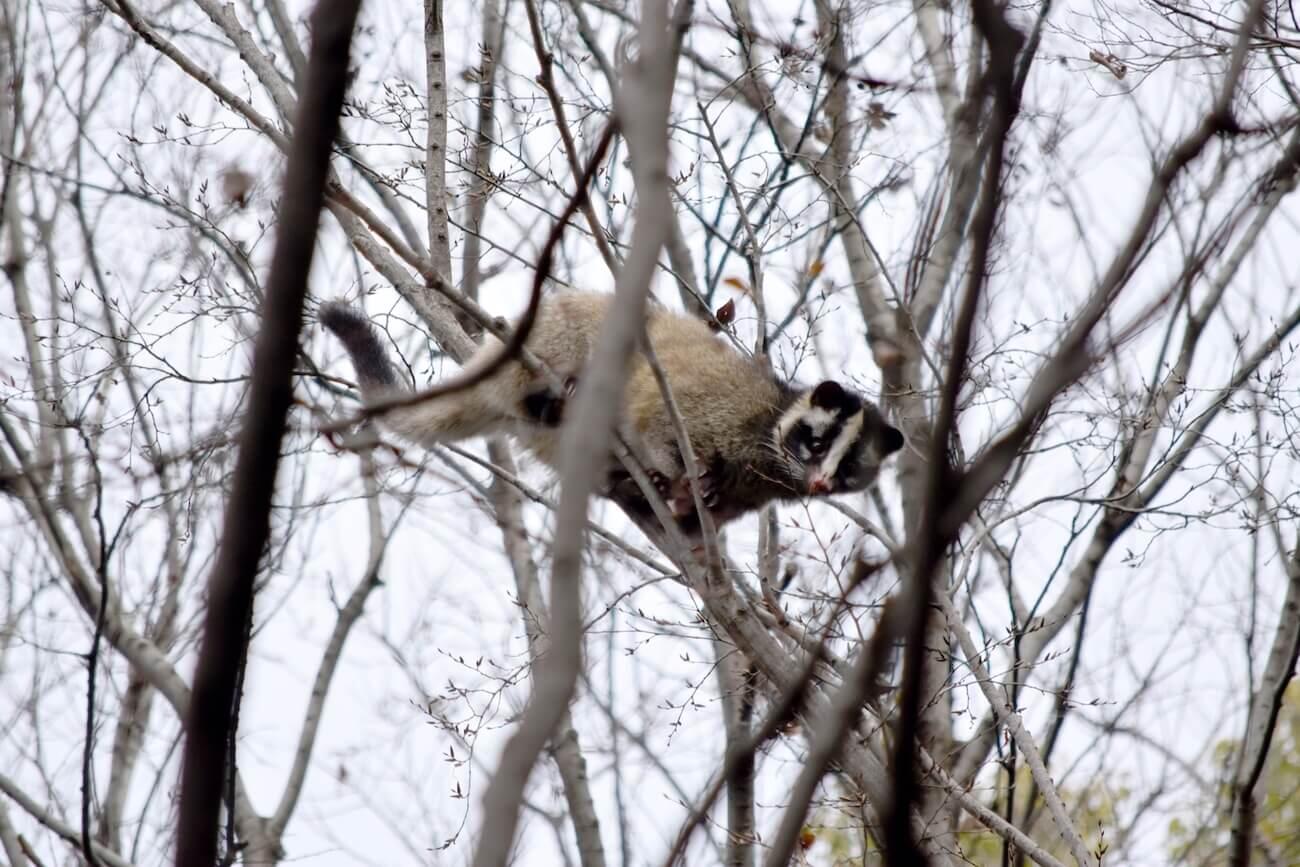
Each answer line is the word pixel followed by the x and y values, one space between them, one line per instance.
pixel 729 402
pixel 732 405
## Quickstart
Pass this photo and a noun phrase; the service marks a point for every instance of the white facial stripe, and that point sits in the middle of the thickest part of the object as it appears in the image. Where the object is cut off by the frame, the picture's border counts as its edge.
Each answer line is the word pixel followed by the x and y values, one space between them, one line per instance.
pixel 790 418
pixel 848 434
pixel 819 420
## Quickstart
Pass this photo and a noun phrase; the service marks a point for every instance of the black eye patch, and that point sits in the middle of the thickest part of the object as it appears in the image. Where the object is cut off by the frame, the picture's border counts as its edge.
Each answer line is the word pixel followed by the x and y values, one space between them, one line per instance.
pixel 802 436
pixel 799 435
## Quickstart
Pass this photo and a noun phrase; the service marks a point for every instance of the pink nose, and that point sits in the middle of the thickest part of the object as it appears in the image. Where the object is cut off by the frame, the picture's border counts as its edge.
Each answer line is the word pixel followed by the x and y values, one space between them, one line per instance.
pixel 819 486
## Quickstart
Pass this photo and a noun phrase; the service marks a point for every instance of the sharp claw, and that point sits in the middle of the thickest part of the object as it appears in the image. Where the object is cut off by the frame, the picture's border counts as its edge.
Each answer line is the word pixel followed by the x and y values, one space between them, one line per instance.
pixel 570 385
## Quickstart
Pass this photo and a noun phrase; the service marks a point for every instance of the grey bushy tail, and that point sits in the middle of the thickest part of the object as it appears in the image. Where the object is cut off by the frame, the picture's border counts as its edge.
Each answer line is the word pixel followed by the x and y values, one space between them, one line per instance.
pixel 433 419
pixel 374 371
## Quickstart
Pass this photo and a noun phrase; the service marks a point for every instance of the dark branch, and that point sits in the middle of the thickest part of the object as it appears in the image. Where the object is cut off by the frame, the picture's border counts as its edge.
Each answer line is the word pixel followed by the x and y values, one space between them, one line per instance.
pixel 247 518
pixel 1004 43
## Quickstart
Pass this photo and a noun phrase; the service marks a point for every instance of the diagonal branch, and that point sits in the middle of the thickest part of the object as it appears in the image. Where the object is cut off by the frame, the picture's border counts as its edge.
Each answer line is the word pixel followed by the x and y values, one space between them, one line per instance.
pixel 942 479
pixel 347 617
pixel 67 832
pixel 1009 718
pixel 862 685
pixel 644 116
pixel 247 518
pixel 1129 495
pixel 565 748
pixel 1072 357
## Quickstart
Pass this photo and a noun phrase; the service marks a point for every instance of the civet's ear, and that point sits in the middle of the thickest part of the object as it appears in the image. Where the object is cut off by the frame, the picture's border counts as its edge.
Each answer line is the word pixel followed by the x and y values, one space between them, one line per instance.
pixel 891 439
pixel 829 395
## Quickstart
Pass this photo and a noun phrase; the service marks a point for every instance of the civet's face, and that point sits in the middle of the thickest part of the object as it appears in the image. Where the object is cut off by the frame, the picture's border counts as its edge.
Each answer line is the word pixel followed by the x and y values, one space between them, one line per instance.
pixel 837 440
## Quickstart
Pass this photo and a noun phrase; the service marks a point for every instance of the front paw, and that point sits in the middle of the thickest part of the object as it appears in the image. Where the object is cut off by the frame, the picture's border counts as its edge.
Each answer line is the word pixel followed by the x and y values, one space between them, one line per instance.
pixel 683 501
pixel 710 489
pixel 663 485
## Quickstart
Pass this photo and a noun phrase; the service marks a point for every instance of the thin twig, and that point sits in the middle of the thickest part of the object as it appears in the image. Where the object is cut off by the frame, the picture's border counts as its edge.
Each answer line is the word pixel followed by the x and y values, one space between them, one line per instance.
pixel 546 78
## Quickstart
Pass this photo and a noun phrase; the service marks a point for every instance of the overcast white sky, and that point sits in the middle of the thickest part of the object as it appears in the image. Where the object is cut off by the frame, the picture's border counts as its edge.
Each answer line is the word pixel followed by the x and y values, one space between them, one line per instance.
pixel 383 784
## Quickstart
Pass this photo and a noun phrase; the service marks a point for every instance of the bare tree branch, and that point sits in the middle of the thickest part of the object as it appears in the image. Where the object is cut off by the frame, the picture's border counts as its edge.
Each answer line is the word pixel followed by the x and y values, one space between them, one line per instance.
pixel 1261 722
pixel 348 616
pixel 546 78
pixel 9 840
pixel 482 182
pixel 435 153
pixel 1009 718
pixel 736 686
pixel 68 833
pixel 932 536
pixel 862 686
pixel 588 432
pixel 246 524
